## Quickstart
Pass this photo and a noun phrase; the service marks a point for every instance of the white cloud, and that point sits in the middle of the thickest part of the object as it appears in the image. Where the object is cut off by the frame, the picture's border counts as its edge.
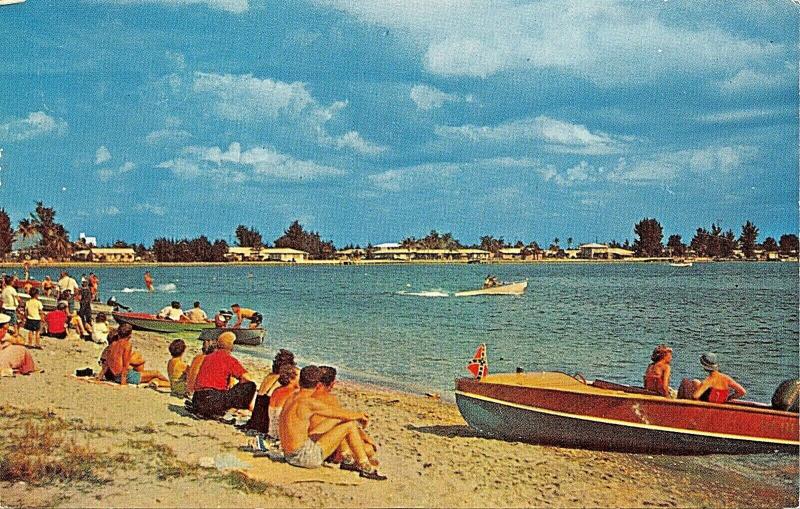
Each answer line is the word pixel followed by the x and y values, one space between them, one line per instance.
pixel 745 115
pixel 667 166
pixel 105 174
pixel 422 175
pixel 232 6
pixel 581 173
pixel 245 98
pixel 427 97
pixel 156 210
pixel 557 135
pixel 37 123
pixel 608 42
pixel 110 211
pixel 102 155
pixel 748 80
pixel 256 164
pixel 167 136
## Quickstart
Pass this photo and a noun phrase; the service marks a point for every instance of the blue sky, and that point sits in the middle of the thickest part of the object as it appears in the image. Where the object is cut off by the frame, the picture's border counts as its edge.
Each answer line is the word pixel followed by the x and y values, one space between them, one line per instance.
pixel 371 120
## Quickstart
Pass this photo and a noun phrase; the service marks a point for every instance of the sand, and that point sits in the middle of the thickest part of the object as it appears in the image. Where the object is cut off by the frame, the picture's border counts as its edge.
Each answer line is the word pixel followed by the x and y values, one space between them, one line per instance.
pixel 147 452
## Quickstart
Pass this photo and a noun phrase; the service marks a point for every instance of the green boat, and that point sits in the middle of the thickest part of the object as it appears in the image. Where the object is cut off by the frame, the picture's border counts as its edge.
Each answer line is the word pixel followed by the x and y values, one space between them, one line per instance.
pixel 148 322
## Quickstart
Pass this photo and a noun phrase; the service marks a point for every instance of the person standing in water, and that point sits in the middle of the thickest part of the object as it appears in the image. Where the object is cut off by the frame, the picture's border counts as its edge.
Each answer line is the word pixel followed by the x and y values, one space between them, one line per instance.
pixel 148 281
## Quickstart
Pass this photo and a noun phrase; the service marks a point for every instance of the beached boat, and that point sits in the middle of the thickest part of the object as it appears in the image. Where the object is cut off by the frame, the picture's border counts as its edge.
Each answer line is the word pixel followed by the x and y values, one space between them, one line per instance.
pixel 145 321
pixel 555 408
pixel 50 303
pixel 680 264
pixel 517 288
pixel 249 337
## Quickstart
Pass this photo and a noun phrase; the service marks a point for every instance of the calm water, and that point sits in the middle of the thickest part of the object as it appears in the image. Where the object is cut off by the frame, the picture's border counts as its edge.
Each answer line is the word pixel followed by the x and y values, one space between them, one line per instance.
pixel 400 326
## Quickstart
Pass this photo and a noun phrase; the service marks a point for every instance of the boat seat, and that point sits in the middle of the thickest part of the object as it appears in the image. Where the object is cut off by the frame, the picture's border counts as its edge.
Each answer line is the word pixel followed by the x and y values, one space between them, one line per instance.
pixel 602 384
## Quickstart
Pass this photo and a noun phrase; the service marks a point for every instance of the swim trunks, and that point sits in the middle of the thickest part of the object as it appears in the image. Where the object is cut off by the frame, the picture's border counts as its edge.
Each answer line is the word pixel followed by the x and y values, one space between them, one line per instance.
pixel 32 325
pixel 309 455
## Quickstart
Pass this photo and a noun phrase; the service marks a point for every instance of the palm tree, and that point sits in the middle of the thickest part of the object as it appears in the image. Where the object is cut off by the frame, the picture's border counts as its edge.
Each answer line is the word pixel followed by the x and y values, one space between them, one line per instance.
pixel 569 243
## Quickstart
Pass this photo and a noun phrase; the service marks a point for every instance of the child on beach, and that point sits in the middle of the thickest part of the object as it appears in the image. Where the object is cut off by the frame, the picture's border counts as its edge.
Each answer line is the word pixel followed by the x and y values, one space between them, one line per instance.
pixel 33 319
pixel 260 420
pixel 177 369
pixel 100 329
pixel 80 329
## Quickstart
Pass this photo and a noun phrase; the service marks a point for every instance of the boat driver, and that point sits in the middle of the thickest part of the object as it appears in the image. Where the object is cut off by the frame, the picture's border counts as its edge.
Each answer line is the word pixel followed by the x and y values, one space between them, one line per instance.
pixel 490 281
pixel 254 317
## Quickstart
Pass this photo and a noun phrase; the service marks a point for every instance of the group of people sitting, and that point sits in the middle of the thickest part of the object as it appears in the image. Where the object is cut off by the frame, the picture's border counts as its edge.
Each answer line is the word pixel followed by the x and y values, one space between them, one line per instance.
pixel 293 406
pixel 717 387
pixel 221 319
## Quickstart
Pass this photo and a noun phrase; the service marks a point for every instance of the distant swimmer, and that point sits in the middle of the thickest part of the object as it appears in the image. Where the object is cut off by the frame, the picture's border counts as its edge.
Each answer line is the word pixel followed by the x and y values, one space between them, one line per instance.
pixel 148 281
pixel 254 317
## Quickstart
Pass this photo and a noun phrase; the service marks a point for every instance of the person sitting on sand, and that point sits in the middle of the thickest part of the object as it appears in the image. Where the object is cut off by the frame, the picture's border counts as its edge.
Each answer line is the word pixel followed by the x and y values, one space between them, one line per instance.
pixel 300 448
pixel 176 369
pixel 209 345
pixel 213 395
pixel 100 329
pixel 56 322
pixel 260 419
pixel 196 314
pixel 656 377
pixel 717 385
pixel 81 329
pixel 14 358
pixel 254 317
pixel 33 319
pixel 287 378
pixel 319 425
pixel 121 363
pixel 172 312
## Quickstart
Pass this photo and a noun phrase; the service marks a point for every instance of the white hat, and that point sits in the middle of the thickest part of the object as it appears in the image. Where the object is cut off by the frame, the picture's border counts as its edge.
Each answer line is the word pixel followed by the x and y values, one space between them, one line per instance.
pixel 4 319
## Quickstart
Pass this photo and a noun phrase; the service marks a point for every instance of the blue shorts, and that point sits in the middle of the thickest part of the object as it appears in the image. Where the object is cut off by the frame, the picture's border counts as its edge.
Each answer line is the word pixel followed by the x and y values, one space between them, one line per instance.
pixel 11 313
pixel 134 377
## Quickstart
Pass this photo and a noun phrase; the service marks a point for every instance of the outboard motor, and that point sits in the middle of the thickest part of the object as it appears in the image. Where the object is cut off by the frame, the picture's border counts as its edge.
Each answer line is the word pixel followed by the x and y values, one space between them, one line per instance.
pixel 786 396
pixel 116 305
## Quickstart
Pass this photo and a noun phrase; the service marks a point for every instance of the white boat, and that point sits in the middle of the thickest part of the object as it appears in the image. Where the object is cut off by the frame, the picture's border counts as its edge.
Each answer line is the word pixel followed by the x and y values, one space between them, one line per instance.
pixel 516 288
pixel 680 264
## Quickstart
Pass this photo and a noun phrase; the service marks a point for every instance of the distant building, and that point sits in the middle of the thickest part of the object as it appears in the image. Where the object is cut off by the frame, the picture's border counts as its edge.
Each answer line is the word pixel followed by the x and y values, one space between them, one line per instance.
pixel 603 252
pixel 89 241
pixel 106 255
pixel 265 254
pixel 408 254
pixel 519 253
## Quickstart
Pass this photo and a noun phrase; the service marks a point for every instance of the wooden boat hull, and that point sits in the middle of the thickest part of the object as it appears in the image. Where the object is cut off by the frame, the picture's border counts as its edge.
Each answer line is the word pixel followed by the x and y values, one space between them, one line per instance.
pixel 143 321
pixel 248 337
pixel 558 410
pixel 517 288
pixel 50 303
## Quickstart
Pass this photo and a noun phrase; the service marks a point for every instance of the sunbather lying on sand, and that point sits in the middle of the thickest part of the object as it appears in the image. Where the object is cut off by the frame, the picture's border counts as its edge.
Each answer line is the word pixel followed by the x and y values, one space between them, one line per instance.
pixel 302 450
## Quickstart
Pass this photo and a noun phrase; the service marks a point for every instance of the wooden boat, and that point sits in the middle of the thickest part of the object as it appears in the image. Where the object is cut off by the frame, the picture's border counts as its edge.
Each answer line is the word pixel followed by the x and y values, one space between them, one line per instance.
pixel 680 264
pixel 555 408
pixel 50 303
pixel 145 321
pixel 517 288
pixel 249 337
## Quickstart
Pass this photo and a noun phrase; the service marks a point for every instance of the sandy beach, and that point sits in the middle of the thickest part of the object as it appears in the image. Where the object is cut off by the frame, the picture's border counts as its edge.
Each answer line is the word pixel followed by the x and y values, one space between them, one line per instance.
pixel 112 446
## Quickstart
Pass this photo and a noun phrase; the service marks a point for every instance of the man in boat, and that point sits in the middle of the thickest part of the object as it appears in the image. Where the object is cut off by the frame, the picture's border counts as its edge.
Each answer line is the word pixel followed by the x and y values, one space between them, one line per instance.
pixel 254 317
pixel 213 394
pixel 490 281
pixel 196 314
pixel 172 312
pixel 718 384
pixel 300 448
pixel 656 377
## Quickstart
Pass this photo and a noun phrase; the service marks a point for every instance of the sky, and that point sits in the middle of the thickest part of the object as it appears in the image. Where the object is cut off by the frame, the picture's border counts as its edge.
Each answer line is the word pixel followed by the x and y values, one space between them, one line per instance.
pixel 374 120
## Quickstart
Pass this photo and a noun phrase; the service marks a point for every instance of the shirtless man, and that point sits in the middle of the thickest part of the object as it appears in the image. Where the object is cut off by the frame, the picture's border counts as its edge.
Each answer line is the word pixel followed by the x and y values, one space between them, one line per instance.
pixel 320 425
pixel 254 317
pixel 302 450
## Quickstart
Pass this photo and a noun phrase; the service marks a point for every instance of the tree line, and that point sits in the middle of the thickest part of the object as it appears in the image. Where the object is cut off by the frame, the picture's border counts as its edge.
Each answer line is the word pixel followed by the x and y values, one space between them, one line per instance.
pixel 49 239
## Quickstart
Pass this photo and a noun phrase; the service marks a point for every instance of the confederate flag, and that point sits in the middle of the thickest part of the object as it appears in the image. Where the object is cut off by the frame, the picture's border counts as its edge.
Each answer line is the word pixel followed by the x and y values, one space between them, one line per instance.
pixel 478 365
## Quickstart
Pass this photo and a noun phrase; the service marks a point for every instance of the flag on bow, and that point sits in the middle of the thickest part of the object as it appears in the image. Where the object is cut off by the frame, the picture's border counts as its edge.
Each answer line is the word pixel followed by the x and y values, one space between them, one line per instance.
pixel 478 365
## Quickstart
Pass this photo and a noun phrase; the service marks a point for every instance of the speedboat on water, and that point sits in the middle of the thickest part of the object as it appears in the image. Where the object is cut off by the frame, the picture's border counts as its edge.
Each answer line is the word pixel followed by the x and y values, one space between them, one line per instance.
pixel 555 408
pixel 680 264
pixel 148 322
pixel 249 337
pixel 517 288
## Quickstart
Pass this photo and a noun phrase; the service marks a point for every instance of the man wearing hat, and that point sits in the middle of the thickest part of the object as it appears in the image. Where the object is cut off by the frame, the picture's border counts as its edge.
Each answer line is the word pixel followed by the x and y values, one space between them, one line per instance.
pixel 717 384
pixel 213 395
pixel 13 358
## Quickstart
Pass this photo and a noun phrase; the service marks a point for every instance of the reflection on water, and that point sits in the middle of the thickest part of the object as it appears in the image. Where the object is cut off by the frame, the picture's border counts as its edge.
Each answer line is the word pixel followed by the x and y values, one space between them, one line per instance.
pixel 401 326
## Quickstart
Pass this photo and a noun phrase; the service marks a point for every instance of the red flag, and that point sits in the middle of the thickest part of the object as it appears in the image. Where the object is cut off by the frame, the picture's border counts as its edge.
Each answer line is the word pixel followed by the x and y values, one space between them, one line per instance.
pixel 478 365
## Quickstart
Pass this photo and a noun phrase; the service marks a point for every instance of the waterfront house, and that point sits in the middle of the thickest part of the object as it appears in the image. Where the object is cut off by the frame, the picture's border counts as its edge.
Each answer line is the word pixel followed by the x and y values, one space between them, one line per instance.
pixel 419 254
pixel 603 252
pixel 519 253
pixel 265 254
pixel 106 255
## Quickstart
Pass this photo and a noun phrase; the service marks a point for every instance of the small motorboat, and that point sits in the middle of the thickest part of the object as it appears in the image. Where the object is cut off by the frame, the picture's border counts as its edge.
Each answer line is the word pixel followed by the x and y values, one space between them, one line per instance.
pixel 555 408
pixel 517 288
pixel 249 337
pixel 148 322
pixel 50 303
pixel 680 264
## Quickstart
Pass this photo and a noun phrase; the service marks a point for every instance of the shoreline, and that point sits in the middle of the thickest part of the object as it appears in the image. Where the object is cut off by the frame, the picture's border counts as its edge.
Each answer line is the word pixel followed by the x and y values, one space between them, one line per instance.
pixel 311 263
pixel 431 457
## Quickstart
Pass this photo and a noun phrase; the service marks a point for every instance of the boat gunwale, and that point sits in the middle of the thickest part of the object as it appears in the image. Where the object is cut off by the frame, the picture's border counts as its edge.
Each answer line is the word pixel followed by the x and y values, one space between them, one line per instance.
pixel 619 394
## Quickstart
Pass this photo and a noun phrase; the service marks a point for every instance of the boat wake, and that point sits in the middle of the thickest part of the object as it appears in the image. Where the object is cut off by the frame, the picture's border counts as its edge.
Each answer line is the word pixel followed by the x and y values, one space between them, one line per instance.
pixel 425 293
pixel 165 288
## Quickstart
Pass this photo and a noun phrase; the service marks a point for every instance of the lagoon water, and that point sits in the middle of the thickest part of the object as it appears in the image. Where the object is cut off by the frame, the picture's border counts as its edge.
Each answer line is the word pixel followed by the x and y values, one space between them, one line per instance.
pixel 400 326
